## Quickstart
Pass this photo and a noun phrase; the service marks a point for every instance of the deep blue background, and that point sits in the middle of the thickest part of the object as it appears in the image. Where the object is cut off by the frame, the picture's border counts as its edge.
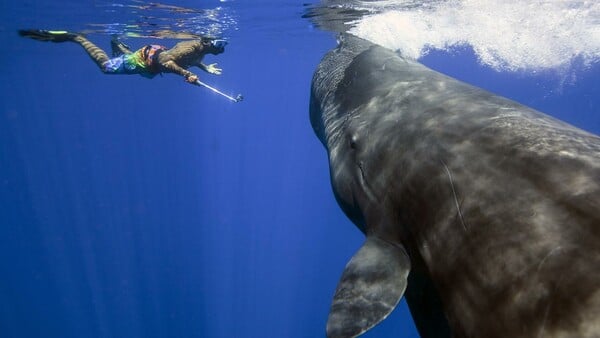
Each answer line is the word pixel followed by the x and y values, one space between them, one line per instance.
pixel 151 208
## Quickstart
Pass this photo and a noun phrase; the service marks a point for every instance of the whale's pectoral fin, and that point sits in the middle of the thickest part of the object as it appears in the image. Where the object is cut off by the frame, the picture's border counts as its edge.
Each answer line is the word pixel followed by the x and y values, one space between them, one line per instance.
pixel 370 288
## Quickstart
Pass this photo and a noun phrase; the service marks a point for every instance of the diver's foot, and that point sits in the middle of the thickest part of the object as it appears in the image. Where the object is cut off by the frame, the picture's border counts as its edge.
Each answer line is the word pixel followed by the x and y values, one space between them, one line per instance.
pixel 118 47
pixel 44 35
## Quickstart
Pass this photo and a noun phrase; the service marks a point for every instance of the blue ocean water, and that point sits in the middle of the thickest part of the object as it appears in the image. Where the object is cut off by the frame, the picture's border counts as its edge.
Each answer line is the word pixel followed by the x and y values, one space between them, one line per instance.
pixel 151 208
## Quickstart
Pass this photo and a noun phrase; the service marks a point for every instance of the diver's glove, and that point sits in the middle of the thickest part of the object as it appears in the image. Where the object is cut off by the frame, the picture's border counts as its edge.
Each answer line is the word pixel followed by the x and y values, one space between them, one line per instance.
pixel 212 69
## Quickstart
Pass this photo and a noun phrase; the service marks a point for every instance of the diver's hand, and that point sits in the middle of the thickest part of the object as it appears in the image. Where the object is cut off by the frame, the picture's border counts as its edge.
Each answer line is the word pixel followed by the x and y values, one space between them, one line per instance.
pixel 212 69
pixel 192 78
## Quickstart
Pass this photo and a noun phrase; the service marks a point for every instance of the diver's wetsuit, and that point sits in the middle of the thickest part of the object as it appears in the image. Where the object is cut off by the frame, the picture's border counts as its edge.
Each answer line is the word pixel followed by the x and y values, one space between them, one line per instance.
pixel 183 55
pixel 149 60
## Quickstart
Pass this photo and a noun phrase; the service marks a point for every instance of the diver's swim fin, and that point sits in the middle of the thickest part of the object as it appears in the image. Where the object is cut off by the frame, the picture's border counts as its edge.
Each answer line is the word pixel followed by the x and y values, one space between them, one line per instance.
pixel 44 35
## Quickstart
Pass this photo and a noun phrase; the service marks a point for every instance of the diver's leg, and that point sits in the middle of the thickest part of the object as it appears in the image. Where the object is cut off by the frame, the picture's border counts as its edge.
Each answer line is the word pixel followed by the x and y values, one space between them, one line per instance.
pixel 97 54
pixel 118 47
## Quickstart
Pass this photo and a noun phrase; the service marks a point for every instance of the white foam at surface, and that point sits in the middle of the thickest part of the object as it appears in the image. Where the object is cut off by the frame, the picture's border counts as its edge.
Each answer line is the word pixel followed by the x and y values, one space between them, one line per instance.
pixel 506 35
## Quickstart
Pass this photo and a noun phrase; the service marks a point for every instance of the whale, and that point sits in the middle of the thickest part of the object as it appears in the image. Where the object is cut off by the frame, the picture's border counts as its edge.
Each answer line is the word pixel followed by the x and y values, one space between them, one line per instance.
pixel 483 213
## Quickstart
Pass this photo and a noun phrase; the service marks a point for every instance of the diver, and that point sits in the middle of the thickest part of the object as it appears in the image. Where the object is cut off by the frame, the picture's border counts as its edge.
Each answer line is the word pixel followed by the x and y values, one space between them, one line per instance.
pixel 147 61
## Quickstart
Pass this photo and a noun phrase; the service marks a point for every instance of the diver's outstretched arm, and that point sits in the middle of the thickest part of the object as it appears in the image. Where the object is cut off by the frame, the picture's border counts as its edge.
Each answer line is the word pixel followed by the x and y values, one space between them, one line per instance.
pixel 171 66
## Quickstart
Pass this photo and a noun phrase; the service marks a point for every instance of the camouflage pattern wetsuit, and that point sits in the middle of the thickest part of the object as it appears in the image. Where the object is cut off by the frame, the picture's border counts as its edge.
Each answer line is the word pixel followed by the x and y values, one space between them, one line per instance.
pixel 149 60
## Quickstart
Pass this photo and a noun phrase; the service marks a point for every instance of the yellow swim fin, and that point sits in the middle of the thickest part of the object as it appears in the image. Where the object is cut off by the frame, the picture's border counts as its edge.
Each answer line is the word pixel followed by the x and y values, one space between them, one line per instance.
pixel 44 35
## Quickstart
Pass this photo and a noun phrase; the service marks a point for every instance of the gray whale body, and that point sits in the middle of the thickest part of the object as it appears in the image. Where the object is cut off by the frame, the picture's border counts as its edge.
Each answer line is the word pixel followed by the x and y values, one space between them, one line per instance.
pixel 486 212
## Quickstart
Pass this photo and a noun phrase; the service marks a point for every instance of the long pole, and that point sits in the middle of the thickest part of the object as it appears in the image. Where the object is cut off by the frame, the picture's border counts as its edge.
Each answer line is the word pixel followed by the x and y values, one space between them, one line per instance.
pixel 238 98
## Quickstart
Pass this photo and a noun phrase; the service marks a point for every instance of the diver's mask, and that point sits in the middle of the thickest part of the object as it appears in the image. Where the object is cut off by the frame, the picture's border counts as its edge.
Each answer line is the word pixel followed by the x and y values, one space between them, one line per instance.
pixel 218 44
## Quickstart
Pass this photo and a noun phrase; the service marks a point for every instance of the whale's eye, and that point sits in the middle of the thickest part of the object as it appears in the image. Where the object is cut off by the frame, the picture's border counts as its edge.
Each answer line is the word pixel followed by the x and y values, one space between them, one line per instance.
pixel 353 142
